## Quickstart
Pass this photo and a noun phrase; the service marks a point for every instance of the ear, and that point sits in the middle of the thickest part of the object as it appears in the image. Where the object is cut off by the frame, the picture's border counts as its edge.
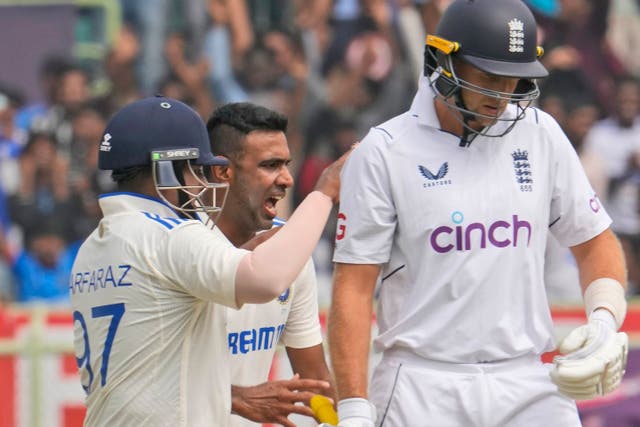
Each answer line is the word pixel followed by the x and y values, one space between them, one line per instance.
pixel 222 173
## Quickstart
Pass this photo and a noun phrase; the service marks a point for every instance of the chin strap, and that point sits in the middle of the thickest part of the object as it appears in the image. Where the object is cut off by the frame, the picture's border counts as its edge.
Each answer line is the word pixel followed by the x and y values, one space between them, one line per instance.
pixel 467 136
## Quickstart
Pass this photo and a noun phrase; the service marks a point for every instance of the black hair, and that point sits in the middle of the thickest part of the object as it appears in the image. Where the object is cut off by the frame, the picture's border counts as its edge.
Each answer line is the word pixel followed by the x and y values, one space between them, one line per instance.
pixel 231 122
pixel 55 65
pixel 125 177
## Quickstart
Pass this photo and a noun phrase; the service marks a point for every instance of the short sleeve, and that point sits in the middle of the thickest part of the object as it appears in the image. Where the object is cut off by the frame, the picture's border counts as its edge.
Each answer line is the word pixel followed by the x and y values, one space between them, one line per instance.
pixel 303 324
pixel 367 217
pixel 203 264
pixel 577 214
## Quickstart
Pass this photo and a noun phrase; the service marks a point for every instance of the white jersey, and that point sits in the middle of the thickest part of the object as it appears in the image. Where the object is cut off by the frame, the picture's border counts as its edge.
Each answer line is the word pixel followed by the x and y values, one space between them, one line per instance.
pixel 460 232
pixel 146 289
pixel 254 331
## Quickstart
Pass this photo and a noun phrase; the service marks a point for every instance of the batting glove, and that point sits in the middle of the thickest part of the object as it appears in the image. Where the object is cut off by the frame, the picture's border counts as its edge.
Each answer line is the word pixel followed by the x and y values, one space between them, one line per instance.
pixel 593 358
pixel 355 412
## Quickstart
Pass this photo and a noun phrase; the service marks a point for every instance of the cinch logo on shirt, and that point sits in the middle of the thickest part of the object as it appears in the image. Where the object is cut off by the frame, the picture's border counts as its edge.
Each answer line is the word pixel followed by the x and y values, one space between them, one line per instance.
pixel 462 237
pixel 254 340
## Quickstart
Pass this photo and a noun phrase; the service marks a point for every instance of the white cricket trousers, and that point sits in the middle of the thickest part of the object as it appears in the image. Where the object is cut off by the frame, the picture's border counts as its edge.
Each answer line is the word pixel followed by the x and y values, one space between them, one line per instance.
pixel 410 391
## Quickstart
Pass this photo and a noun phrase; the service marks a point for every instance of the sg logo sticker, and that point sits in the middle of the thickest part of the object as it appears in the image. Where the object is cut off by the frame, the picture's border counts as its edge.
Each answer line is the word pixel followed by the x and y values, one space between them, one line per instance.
pixel 342 228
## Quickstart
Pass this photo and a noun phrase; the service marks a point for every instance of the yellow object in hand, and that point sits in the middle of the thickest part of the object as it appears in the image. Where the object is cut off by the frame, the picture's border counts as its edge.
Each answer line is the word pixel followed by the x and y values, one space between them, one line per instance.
pixel 323 410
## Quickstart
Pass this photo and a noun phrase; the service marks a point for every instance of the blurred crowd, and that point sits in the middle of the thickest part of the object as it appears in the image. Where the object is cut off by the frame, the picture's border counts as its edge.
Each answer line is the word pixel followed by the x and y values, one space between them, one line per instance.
pixel 334 67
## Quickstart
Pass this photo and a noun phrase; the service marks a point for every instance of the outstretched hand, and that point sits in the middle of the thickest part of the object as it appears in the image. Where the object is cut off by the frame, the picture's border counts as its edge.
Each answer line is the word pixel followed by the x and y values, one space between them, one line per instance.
pixel 273 401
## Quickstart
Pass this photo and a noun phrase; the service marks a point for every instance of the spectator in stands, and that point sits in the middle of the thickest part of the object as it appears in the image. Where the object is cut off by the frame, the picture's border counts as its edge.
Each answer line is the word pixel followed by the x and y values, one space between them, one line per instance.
pixel 192 74
pixel 44 191
pixel 51 70
pixel 297 91
pixel 228 39
pixel 582 113
pixel 11 140
pixel 42 269
pixel 154 21
pixel 616 140
pixel 72 95
pixel 86 181
pixel 575 42
pixel 119 66
pixel 623 33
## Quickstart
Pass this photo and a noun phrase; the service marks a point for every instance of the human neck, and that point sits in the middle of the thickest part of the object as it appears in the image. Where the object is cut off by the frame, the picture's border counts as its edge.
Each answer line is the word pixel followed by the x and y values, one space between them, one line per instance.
pixel 233 231
pixel 448 120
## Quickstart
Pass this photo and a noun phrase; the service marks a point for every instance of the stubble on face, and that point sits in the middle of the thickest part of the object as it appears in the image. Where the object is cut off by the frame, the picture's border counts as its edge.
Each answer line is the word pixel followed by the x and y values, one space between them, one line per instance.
pixel 259 180
pixel 486 105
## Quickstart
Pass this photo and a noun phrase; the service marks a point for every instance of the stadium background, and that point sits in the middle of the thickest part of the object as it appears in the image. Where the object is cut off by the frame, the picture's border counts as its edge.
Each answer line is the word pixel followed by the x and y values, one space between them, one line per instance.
pixel 335 67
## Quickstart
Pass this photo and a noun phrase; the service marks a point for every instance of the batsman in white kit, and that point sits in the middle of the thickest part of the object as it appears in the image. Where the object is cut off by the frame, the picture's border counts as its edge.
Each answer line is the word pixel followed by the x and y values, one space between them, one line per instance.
pixel 447 208
pixel 151 285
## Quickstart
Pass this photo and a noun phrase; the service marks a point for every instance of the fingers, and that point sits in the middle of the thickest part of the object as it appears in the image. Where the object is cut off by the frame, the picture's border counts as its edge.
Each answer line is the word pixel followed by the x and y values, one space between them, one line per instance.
pixel 594 374
pixel 285 422
pixel 305 385
pixel 284 411
pixel 301 410
pixel 297 396
pixel 575 340
pixel 576 371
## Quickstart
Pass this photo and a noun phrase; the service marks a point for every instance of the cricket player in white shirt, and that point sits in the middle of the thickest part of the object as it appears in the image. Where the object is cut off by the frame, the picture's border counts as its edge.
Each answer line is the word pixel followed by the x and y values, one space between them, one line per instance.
pixel 448 206
pixel 253 139
pixel 151 284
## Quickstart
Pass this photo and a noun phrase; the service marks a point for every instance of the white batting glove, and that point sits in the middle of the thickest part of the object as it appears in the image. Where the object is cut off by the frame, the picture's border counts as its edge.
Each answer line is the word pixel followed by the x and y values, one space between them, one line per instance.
pixel 593 358
pixel 355 412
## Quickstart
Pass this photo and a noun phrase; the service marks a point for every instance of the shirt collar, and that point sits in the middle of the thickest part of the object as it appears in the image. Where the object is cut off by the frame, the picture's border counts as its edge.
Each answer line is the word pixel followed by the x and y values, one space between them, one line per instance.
pixel 120 202
pixel 423 107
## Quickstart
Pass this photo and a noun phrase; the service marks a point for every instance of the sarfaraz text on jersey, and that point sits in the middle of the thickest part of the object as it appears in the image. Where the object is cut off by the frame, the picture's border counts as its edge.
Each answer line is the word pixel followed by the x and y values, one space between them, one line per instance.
pixel 111 275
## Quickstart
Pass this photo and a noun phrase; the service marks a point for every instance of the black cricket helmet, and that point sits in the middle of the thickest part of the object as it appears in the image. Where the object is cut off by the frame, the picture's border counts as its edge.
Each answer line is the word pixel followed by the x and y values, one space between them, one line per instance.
pixel 498 37
pixel 165 134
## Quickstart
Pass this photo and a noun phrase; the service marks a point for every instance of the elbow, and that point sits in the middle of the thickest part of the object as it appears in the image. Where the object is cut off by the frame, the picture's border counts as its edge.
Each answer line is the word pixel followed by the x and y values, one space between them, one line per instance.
pixel 258 284
pixel 260 292
pixel 272 290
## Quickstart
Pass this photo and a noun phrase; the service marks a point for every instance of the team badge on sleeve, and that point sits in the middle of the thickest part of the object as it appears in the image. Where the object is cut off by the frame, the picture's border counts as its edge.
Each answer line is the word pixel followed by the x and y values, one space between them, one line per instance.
pixel 285 296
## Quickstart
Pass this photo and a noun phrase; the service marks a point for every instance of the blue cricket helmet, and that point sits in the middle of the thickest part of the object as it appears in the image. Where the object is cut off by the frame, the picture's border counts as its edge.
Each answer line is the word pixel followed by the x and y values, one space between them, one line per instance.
pixel 150 124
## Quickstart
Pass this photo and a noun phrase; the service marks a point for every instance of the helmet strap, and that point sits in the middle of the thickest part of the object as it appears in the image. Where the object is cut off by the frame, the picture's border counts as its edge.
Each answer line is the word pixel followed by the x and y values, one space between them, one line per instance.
pixel 467 116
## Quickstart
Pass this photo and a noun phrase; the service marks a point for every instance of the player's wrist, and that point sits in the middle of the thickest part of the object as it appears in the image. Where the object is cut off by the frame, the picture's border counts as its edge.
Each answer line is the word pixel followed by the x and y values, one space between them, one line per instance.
pixel 238 404
pixel 604 316
pixel 609 294
pixel 356 408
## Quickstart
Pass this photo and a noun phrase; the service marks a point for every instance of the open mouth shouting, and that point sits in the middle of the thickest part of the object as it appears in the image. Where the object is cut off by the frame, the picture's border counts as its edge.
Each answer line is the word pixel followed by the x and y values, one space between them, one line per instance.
pixel 270 205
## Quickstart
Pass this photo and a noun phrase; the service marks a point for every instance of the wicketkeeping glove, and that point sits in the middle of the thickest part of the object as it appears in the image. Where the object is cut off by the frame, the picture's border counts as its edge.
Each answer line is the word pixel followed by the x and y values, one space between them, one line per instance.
pixel 355 412
pixel 593 358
